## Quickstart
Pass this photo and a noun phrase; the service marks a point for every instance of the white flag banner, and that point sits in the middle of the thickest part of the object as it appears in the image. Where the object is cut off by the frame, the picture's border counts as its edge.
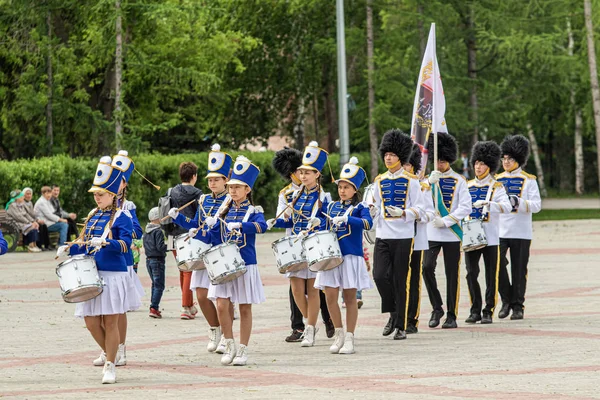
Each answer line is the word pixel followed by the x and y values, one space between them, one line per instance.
pixel 430 104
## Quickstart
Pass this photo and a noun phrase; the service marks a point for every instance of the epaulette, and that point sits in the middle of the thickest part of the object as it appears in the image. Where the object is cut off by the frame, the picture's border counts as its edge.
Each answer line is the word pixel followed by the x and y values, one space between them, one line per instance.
pixel 378 177
pixel 498 184
pixel 258 209
pixel 498 176
pixel 413 176
pixel 462 176
pixel 425 186
pixel 471 180
pixel 530 176
pixel 285 189
pixel 92 212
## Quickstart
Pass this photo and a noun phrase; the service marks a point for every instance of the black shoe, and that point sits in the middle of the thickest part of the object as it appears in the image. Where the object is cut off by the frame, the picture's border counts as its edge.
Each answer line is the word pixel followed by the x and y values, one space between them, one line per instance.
pixel 400 335
pixel 487 318
pixel 329 328
pixel 473 318
pixel 412 328
pixel 504 311
pixel 296 336
pixel 450 323
pixel 436 315
pixel 517 314
pixel 389 327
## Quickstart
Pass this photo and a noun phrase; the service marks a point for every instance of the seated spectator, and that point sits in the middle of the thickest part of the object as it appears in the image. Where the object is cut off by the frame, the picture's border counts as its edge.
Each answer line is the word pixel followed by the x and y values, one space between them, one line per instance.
pixel 43 241
pixel 59 212
pixel 45 211
pixel 17 213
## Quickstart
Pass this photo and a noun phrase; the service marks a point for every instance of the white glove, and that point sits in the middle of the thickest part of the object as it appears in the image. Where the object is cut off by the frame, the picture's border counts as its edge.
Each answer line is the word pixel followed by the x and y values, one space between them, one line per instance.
pixel 514 200
pixel 270 223
pixel 97 242
pixel 210 221
pixel 173 213
pixel 303 233
pixel 438 222
pixel 337 221
pixel 234 225
pixel 480 203
pixel 62 251
pixel 434 177
pixel 287 213
pixel 314 222
pixel 193 232
pixel 395 211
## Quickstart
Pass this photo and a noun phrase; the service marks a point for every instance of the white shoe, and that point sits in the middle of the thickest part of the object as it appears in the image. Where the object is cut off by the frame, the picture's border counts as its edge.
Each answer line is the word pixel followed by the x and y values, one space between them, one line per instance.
pixel 348 347
pixel 121 358
pixel 242 356
pixel 229 353
pixel 100 361
pixel 221 347
pixel 214 338
pixel 110 373
pixel 309 336
pixel 236 314
pixel 338 341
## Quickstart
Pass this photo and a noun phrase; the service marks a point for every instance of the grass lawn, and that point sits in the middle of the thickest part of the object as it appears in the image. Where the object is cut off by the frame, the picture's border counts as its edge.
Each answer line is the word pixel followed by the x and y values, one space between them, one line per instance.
pixel 556 215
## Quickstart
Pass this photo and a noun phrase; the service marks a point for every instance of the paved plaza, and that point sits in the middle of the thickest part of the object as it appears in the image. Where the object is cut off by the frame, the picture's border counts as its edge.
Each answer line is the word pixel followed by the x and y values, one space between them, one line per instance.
pixel 554 353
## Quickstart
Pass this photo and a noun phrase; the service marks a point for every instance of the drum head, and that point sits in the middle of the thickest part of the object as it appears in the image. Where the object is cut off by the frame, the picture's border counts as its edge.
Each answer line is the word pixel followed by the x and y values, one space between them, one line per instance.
pixel 82 294
pixel 326 264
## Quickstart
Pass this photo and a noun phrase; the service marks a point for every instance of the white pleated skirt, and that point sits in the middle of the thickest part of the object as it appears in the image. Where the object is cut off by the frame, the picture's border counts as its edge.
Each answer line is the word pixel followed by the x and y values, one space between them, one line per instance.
pixel 135 280
pixel 302 274
pixel 245 289
pixel 351 274
pixel 117 297
pixel 200 280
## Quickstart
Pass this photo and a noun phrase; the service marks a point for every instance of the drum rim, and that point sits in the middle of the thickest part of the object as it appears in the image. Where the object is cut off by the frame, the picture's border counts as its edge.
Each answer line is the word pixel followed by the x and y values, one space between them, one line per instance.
pixel 77 257
pixel 69 291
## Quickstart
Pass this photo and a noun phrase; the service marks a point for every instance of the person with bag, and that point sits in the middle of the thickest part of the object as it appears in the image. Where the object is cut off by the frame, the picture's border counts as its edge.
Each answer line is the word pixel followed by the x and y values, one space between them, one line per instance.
pixel 489 201
pixel 17 212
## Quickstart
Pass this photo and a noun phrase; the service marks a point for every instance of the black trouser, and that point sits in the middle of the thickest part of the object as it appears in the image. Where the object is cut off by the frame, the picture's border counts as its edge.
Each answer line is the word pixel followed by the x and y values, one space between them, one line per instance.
pixel 452 256
pixel 391 273
pixel 43 237
pixel 414 297
pixel 514 294
pixel 296 315
pixel 72 228
pixel 491 259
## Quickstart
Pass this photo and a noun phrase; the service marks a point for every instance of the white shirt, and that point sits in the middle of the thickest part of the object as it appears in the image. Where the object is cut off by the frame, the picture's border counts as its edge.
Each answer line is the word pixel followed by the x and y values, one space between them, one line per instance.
pixel 427 214
pixel 518 224
pixel 460 207
pixel 282 201
pixel 499 203
pixel 388 227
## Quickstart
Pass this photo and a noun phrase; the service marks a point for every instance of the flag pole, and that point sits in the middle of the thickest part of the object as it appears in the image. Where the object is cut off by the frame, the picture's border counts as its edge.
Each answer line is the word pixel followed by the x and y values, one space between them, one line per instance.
pixel 433 120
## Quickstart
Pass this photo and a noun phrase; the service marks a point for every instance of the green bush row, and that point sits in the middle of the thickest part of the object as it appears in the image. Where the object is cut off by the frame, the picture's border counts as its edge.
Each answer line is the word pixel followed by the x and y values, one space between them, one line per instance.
pixel 75 176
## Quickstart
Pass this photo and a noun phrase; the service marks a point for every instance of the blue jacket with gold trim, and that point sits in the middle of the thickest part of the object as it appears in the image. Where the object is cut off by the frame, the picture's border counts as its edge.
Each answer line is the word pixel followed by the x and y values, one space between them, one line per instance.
pixel 208 205
pixel 349 234
pixel 137 231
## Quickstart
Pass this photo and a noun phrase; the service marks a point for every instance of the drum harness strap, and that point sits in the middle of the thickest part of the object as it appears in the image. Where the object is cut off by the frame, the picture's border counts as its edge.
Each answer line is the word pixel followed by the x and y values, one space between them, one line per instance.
pixel 443 211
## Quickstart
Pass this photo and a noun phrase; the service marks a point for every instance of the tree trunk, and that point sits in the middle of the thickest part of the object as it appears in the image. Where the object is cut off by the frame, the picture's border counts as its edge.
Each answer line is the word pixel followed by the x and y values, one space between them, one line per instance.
pixel 118 75
pixel 579 177
pixel 536 158
pixel 593 74
pixel 472 72
pixel 49 125
pixel 299 124
pixel 370 71
pixel 422 40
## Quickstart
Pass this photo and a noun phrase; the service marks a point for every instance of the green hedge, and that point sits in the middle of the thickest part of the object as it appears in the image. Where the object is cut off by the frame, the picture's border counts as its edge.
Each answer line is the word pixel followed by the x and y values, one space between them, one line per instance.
pixel 74 176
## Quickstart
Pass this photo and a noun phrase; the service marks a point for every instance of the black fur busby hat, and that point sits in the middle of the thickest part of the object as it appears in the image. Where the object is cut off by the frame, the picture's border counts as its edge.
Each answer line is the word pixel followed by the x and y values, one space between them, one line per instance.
pixel 487 152
pixel 517 147
pixel 415 158
pixel 447 147
pixel 397 142
pixel 287 161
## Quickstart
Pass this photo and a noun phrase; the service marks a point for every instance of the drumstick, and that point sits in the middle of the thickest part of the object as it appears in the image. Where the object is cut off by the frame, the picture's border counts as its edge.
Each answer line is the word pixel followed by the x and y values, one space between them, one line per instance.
pixel 179 209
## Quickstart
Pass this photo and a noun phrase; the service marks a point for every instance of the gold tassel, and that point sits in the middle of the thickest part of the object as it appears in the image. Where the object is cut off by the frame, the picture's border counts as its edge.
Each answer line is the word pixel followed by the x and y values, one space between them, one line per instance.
pixel 147 180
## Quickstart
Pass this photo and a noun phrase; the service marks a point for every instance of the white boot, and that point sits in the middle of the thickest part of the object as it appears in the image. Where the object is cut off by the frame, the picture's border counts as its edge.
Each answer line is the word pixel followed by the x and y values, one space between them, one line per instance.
pixel 214 337
pixel 121 358
pixel 242 355
pixel 338 341
pixel 100 361
pixel 309 336
pixel 110 373
pixel 348 347
pixel 221 347
pixel 229 353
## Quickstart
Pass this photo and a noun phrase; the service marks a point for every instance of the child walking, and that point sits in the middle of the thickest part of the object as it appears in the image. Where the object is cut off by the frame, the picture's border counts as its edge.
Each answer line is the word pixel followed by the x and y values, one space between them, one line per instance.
pixel 156 249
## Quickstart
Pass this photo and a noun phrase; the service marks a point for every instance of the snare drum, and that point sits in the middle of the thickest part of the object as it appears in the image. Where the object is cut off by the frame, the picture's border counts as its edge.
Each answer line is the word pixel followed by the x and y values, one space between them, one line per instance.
pixel 78 278
pixel 369 198
pixel 473 235
pixel 224 263
pixel 189 253
pixel 289 254
pixel 322 251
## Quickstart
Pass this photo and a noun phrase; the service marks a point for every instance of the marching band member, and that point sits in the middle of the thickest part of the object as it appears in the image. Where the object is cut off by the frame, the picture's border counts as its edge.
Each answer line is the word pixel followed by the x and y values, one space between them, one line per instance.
pixel 348 218
pixel 485 157
pixel 302 218
pixel 516 226
pixel 397 197
pixel 286 163
pixel 3 244
pixel 219 166
pixel 421 244
pixel 238 221
pixel 445 232
pixel 107 238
